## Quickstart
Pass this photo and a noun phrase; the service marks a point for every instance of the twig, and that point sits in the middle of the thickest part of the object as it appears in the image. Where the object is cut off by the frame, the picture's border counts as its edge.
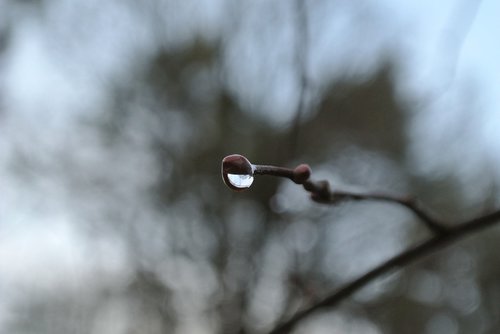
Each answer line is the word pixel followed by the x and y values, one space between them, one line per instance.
pixel 320 192
pixel 403 259
pixel 301 59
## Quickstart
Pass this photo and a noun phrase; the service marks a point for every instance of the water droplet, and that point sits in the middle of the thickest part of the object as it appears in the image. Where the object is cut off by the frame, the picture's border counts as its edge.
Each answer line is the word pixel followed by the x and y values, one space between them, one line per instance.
pixel 237 172
pixel 240 181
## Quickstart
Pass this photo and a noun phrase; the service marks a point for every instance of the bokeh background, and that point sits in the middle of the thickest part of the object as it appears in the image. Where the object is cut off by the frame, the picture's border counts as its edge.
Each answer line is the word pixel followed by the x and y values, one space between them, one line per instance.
pixel 115 115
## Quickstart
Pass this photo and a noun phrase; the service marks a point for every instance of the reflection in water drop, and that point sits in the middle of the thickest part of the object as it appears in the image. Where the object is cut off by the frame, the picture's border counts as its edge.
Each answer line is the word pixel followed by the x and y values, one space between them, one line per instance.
pixel 237 172
pixel 240 180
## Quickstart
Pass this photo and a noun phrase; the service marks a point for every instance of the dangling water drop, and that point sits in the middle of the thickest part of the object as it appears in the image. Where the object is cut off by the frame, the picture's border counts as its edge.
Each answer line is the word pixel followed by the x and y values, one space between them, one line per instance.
pixel 237 172
pixel 240 181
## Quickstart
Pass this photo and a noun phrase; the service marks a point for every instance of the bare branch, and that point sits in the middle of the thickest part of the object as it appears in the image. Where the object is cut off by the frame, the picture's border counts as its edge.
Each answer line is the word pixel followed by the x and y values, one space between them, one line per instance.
pixel 401 260
pixel 301 59
pixel 320 192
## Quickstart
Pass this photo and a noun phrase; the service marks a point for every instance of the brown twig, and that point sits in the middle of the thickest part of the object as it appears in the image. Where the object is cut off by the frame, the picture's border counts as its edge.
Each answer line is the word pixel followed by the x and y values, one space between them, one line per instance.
pixel 403 259
pixel 320 192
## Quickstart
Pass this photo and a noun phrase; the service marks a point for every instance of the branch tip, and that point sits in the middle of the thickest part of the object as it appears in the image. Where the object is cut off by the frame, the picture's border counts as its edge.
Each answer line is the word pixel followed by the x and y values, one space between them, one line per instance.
pixel 239 166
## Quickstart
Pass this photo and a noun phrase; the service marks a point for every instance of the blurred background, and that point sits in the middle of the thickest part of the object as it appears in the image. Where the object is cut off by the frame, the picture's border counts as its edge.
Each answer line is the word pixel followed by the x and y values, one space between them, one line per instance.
pixel 114 118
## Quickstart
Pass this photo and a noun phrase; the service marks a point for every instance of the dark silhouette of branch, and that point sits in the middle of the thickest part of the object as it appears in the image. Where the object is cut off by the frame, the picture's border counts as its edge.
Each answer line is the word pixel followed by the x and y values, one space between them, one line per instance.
pixel 320 192
pixel 403 259
pixel 444 234
pixel 301 59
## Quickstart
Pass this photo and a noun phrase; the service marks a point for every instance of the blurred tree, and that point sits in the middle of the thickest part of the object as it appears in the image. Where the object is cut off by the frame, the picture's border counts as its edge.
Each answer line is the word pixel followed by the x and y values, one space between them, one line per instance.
pixel 144 170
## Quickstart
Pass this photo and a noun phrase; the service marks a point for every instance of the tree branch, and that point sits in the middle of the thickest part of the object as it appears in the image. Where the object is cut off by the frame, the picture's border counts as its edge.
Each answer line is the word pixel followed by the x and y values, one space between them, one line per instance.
pixel 444 234
pixel 320 192
pixel 236 164
pixel 403 259
pixel 301 59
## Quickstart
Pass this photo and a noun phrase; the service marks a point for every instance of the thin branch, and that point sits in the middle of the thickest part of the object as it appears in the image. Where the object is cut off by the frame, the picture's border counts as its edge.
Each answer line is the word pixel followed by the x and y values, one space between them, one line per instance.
pixel 320 192
pixel 401 260
pixel 301 59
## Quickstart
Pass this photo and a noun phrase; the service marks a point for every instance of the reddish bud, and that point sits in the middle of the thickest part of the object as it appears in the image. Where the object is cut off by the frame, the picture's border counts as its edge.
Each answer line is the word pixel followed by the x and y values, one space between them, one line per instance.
pixel 301 173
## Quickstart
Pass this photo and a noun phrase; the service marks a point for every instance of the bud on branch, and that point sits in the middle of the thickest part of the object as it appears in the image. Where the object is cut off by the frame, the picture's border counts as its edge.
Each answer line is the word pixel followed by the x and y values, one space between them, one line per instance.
pixel 238 174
